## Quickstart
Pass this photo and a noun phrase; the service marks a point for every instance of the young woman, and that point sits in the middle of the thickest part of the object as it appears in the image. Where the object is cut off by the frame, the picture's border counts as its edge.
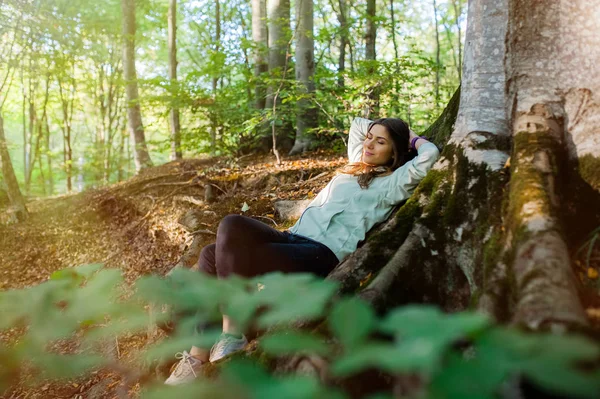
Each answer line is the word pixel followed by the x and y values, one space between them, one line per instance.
pixel 384 169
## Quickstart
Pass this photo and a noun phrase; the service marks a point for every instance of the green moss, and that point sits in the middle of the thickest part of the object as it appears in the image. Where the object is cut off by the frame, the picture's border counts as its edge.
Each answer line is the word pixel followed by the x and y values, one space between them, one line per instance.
pixel 392 239
pixel 529 185
pixel 589 169
pixel 494 142
pixel 441 130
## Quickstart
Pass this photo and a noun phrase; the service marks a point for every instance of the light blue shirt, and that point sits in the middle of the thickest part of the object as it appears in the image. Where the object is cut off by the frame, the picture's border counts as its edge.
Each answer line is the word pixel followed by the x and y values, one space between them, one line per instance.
pixel 342 213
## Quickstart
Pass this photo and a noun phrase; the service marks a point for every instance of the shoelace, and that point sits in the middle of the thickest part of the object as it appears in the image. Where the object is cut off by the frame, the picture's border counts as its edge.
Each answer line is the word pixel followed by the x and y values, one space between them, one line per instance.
pixel 186 358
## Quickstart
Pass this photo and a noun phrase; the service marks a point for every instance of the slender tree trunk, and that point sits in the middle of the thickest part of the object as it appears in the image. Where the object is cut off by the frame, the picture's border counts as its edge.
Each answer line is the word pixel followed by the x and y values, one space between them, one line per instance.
pixel 29 154
pixel 343 21
pixel 395 95
pixel 437 55
pixel 457 13
pixel 24 121
pixel 261 53
pixel 14 192
pixel 215 80
pixel 49 158
pixel 102 131
pixel 247 56
pixel 305 72
pixel 67 101
pixel 372 109
pixel 39 125
pixel 279 33
pixel 121 161
pixel 136 127
pixel 278 17
pixel 174 115
pixel 371 31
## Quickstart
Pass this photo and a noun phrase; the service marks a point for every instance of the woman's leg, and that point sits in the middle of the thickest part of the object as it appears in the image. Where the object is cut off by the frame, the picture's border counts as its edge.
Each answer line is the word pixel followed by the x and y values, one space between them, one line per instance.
pixel 206 264
pixel 249 248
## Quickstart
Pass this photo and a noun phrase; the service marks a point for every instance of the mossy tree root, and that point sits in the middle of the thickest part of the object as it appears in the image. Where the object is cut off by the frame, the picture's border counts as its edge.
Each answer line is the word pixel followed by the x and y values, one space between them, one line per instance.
pixel 545 289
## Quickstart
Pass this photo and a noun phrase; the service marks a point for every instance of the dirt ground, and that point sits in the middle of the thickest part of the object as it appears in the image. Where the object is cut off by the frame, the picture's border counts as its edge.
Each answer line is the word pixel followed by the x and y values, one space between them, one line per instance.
pixel 133 226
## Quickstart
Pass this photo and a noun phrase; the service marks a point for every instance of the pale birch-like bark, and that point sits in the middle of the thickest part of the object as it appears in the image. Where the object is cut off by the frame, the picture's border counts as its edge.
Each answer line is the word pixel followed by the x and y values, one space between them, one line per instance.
pixel 482 100
pixel 134 113
pixel 305 71
pixel 174 114
pixel 259 36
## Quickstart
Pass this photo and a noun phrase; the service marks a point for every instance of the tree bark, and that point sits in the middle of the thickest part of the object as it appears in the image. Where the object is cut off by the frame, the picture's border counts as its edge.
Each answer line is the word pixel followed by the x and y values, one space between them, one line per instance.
pixel 215 80
pixel 457 13
pixel 372 109
pixel 136 127
pixel 279 38
pixel 67 101
pixel 259 36
pixel 437 54
pixel 305 72
pixel 174 115
pixel 14 192
pixel 343 21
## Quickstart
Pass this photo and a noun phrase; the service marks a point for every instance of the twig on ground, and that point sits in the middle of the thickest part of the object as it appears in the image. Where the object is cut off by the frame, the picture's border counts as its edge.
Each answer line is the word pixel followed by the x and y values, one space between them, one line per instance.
pixel 203 231
pixel 215 186
pixel 268 218
pixel 303 182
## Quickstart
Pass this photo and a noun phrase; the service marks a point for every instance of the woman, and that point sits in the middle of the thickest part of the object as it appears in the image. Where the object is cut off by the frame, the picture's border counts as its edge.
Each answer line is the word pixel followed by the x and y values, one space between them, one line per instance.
pixel 382 172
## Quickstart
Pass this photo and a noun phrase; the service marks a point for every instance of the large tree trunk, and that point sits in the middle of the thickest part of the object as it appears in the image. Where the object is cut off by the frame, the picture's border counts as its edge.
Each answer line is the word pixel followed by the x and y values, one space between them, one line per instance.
pixel 259 36
pixel 136 127
pixel 174 115
pixel 14 192
pixel 305 72
pixel 484 232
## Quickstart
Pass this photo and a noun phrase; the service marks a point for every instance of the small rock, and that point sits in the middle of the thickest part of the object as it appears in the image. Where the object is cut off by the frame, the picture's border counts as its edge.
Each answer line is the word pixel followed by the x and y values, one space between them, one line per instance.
pixel 290 209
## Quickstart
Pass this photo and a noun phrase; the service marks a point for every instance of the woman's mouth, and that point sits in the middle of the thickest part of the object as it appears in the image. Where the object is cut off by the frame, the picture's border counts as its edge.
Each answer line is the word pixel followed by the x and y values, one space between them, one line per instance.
pixel 368 153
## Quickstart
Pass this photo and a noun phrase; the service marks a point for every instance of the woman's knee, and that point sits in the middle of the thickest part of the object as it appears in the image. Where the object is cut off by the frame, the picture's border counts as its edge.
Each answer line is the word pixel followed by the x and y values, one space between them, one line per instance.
pixel 230 227
pixel 207 260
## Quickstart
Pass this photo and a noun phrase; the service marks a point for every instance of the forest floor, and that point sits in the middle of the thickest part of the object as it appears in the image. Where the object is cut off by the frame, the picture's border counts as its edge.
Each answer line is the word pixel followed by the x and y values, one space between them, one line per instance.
pixel 133 226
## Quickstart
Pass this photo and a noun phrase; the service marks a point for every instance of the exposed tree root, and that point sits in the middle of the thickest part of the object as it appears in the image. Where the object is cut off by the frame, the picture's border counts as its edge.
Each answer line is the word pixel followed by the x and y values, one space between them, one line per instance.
pixel 545 283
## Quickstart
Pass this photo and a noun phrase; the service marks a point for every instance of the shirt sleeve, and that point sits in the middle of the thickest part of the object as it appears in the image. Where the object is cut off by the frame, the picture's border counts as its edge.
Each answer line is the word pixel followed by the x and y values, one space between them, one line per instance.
pixel 358 134
pixel 404 179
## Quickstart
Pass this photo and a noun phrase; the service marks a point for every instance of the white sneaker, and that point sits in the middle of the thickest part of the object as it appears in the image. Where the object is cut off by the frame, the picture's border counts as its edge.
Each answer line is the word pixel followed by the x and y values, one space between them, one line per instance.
pixel 226 345
pixel 185 370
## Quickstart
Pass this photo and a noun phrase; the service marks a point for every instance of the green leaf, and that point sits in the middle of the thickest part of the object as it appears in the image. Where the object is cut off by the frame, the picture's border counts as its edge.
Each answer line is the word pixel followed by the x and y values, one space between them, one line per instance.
pixel 259 384
pixel 468 378
pixel 372 354
pixel 351 320
pixel 198 389
pixel 305 297
pixel 65 366
pixel 167 348
pixel 549 360
pixel 292 342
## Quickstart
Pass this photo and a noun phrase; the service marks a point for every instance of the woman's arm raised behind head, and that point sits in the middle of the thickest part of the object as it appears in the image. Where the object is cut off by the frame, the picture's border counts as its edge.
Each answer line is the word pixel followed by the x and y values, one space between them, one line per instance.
pixel 404 179
pixel 357 134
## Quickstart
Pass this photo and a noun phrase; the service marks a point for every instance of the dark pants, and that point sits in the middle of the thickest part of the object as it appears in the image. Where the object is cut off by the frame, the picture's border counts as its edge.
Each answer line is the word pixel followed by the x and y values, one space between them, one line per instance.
pixel 247 247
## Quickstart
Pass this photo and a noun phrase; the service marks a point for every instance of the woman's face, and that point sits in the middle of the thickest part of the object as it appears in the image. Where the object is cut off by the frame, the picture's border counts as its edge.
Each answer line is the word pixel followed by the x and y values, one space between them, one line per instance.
pixel 377 147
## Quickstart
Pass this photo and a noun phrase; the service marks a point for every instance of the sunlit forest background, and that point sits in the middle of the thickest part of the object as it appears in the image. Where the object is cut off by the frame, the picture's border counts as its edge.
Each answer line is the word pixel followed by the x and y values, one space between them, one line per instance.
pixel 64 100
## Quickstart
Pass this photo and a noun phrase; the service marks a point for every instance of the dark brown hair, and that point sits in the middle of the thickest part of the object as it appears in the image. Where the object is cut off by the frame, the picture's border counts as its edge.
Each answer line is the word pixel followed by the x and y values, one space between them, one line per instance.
pixel 399 134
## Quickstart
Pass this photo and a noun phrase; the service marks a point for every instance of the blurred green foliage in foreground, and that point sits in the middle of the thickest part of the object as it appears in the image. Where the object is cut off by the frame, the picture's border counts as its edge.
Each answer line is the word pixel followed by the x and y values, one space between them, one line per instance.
pixel 461 355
